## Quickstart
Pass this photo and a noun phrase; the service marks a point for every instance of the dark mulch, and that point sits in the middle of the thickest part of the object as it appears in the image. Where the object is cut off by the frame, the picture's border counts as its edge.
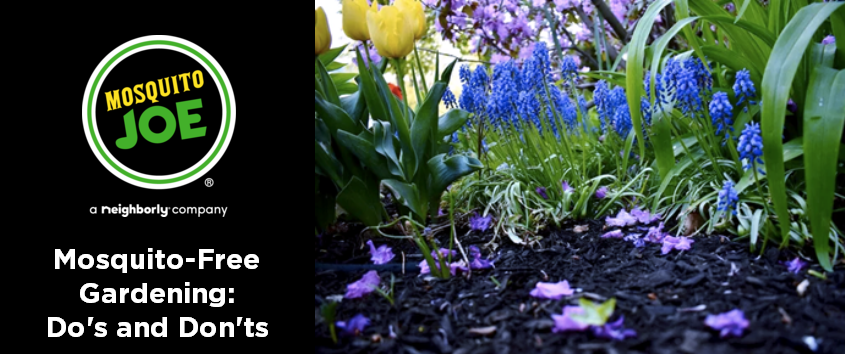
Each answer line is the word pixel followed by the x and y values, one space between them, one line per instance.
pixel 654 292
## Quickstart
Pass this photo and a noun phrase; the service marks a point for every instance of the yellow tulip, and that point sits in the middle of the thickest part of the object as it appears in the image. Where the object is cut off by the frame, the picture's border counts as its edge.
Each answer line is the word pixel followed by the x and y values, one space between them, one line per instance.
pixel 322 36
pixel 392 31
pixel 355 18
pixel 415 8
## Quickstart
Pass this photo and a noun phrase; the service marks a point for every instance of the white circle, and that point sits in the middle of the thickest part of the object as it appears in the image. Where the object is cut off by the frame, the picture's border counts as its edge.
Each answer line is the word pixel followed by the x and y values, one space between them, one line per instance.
pixel 133 181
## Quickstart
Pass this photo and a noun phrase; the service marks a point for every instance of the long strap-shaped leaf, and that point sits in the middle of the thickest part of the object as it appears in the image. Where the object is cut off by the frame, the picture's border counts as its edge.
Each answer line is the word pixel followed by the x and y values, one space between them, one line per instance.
pixel 824 118
pixel 635 89
pixel 777 81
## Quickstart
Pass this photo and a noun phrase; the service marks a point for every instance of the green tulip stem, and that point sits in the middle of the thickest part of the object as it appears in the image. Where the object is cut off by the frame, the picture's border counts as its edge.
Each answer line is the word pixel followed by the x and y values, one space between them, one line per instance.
pixel 422 73
pixel 416 86
pixel 367 50
pixel 400 78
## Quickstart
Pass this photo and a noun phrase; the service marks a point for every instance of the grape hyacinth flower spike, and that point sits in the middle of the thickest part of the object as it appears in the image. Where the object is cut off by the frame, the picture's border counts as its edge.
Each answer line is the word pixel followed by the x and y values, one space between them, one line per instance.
pixel 449 99
pixel 728 198
pixel 722 115
pixel 744 88
pixel 751 146
pixel 542 192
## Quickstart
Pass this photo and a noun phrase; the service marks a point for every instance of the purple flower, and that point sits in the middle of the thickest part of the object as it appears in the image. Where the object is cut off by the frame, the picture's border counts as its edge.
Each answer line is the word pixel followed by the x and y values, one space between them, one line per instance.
pixel 565 322
pixel 643 216
pixel 542 192
pixel 614 330
pixel 355 326
pixel 366 285
pixel 601 192
pixel 795 265
pixel 381 255
pixel 622 219
pixel 552 291
pixel 566 187
pixel 480 223
pixel 830 39
pixel 478 262
pixel 636 239
pixel 453 267
pixel 728 323
pixel 655 234
pixel 678 243
pixel 613 234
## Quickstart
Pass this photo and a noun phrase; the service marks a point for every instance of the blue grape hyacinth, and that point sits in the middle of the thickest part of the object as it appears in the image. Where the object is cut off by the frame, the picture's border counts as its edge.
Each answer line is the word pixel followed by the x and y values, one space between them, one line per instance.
pixel 728 198
pixel 751 145
pixel 569 71
pixel 449 99
pixel 722 115
pixel 687 91
pixel 744 88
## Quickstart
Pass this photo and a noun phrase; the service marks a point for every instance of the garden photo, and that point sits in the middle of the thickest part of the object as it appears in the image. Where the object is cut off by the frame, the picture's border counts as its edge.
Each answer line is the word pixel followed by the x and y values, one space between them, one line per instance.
pixel 579 176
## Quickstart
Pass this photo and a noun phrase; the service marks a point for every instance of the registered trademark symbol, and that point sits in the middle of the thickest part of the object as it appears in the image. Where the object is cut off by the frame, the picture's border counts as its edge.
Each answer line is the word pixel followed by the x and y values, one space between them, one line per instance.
pixel 209 182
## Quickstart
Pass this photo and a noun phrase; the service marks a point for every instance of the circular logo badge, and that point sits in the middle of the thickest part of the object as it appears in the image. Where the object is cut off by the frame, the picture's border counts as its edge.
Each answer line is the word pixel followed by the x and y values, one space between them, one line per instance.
pixel 158 112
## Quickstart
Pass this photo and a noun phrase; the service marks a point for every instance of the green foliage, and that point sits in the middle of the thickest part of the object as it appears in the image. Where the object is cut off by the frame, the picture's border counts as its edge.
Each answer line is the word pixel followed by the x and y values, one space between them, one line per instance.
pixel 595 315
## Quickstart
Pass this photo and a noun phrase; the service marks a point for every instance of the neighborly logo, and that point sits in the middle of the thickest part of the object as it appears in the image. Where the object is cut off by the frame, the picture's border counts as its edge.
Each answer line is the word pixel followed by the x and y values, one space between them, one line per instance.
pixel 158 112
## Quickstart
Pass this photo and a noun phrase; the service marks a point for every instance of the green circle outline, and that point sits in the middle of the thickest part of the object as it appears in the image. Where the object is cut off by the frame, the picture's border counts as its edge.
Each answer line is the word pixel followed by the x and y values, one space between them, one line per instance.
pixel 216 149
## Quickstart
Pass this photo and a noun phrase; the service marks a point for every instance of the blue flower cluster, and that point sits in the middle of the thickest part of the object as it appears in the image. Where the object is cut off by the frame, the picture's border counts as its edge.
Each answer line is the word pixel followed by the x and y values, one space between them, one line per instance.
pixel 722 115
pixel 744 88
pixel 751 145
pixel 612 107
pixel 449 99
pixel 514 95
pixel 569 71
pixel 728 198
pixel 685 82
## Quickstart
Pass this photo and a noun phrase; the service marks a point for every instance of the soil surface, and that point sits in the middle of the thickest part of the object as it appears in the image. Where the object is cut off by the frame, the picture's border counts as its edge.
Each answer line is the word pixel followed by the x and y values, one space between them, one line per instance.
pixel 665 298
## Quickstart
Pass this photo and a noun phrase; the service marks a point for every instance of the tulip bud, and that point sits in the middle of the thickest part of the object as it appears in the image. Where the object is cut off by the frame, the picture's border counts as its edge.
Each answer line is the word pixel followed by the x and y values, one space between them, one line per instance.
pixel 355 18
pixel 391 31
pixel 322 36
pixel 414 8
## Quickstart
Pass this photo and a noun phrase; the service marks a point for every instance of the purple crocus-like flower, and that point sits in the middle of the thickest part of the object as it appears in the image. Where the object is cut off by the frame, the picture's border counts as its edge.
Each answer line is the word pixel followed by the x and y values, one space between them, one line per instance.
pixel 636 239
pixel 678 243
pixel 728 323
pixel 480 223
pixel 542 192
pixel 601 192
pixel 567 188
pixel 355 326
pixel 614 330
pixel 366 285
pixel 565 322
pixel 655 234
pixel 795 265
pixel 644 217
pixel 381 255
pixel 622 219
pixel 552 291
pixel 613 234
pixel 830 39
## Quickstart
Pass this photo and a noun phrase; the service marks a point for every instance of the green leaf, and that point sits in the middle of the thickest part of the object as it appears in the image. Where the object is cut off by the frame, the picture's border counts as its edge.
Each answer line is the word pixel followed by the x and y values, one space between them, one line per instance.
pixel 408 195
pixel 346 88
pixel 450 122
pixel 791 150
pixel 328 57
pixel 837 23
pixel 368 89
pixel 365 151
pixel 824 119
pixel 328 164
pixel 383 139
pixel 423 131
pixel 339 78
pixel 636 58
pixel 444 171
pixel 324 202
pixel 334 117
pixel 742 10
pixel 361 202
pixel 355 106
pixel 755 226
pixel 447 73
pixel 777 81
pixel 328 85
pixel 595 315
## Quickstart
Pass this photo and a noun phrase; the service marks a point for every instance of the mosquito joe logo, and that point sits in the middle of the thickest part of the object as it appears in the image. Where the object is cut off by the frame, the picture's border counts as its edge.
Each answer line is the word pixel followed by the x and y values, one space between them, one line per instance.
pixel 158 112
